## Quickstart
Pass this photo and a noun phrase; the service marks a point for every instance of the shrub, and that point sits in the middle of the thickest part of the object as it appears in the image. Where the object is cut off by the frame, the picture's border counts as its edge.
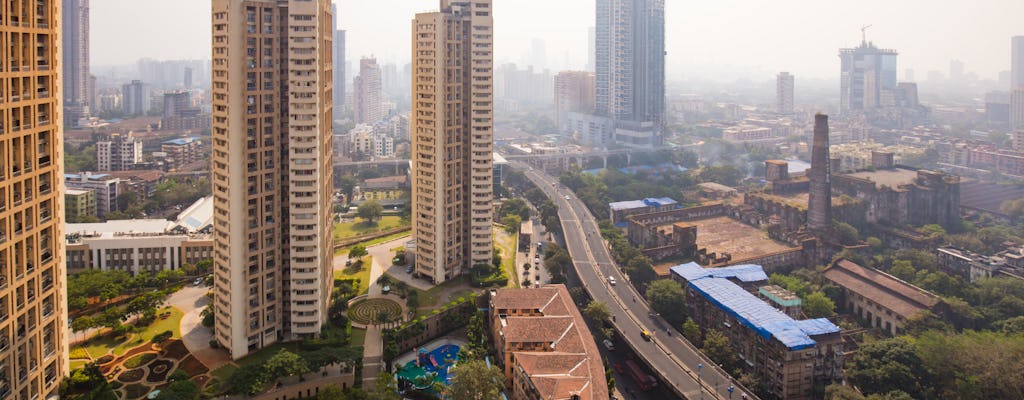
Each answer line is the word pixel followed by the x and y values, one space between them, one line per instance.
pixel 162 336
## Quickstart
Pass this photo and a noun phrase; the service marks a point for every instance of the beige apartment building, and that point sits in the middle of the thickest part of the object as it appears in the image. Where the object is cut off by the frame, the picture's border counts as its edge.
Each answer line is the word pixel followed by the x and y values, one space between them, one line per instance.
pixel 367 101
pixel 33 311
pixel 452 137
pixel 574 92
pixel 272 170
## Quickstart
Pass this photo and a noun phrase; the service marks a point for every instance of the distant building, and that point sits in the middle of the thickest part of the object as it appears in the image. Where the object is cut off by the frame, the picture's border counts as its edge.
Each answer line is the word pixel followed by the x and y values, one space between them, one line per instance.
pixel 867 73
pixel 79 204
pixel 135 98
pixel 619 211
pixel 789 357
pixel 523 86
pixel 544 347
pixel 142 182
pixel 880 299
pixel 179 114
pixel 78 95
pixel 182 151
pixel 1016 62
pixel 121 152
pixel 367 93
pixel 588 129
pixel 339 73
pixel 105 187
pixel 901 196
pixel 574 92
pixel 784 93
pixel 630 69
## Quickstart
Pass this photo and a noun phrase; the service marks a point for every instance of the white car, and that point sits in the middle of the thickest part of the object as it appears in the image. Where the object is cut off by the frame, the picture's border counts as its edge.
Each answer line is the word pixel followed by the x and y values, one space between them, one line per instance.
pixel 567 197
pixel 609 345
pixel 611 280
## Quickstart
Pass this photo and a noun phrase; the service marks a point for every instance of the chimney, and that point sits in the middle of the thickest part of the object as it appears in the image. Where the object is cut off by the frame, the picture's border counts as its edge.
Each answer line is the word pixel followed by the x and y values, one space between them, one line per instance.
pixel 819 203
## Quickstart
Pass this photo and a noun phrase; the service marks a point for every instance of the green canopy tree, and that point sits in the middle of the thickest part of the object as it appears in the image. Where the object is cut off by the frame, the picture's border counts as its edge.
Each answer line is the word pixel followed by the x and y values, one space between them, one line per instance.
pixel 598 312
pixel 474 380
pixel 370 211
pixel 668 299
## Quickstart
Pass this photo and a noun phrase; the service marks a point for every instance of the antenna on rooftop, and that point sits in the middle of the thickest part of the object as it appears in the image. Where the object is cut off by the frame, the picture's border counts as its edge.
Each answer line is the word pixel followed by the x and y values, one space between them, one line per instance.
pixel 864 33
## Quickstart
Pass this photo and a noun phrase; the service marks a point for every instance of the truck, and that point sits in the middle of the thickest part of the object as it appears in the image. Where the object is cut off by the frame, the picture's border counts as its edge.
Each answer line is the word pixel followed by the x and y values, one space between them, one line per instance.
pixel 643 380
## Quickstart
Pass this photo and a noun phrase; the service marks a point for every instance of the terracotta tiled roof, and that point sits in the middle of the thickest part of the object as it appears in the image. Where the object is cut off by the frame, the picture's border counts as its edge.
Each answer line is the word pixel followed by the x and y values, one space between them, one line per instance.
pixel 570 364
pixel 900 297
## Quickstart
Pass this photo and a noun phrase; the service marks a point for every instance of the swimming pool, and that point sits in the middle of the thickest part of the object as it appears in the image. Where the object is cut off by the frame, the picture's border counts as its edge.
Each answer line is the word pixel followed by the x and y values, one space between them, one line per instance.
pixel 436 362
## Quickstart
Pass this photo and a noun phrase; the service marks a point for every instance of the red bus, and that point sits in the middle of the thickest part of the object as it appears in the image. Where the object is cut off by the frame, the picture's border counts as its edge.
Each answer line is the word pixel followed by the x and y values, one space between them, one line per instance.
pixel 644 380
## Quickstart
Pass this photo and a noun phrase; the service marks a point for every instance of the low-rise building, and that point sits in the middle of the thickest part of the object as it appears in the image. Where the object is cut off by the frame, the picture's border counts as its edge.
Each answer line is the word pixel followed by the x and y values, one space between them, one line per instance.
pixel 619 211
pixel 181 151
pixel 79 204
pixel 789 357
pixel 119 153
pixel 902 196
pixel 142 182
pixel 880 299
pixel 105 187
pixel 544 347
pixel 142 245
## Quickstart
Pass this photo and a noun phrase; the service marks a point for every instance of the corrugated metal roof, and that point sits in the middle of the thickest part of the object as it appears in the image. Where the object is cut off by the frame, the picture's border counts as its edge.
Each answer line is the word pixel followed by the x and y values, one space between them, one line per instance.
pixel 744 272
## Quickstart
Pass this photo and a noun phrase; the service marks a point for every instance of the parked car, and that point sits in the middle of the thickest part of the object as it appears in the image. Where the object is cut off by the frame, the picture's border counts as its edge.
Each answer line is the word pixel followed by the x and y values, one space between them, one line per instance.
pixel 609 345
pixel 408 269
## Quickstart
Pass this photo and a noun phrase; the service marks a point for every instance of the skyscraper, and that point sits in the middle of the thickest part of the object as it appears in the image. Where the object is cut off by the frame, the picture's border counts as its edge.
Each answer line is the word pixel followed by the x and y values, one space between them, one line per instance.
pixel 574 92
pixel 630 69
pixel 272 170
pixel 867 74
pixel 339 73
pixel 33 276
pixel 452 138
pixel 591 37
pixel 1017 83
pixel 339 64
pixel 784 93
pixel 135 98
pixel 819 201
pixel 75 44
pixel 366 95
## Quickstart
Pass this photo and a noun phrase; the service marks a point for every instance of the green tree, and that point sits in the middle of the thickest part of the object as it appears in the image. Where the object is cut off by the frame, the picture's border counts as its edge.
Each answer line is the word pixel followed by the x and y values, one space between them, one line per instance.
pixel 347 184
pixel 474 380
pixel 691 331
pixel 515 206
pixel 331 392
pixel 370 211
pixel 82 323
pixel 247 380
pixel 179 390
pixel 817 305
pixel 903 269
pixel 511 222
pixel 285 363
pixel 718 347
pixel 412 300
pixel 668 299
pixel 598 312
pixel 357 251
pixel 888 365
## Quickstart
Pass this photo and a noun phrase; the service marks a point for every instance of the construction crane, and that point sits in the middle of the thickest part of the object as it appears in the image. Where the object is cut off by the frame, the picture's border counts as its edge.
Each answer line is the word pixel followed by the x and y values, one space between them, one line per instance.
pixel 864 33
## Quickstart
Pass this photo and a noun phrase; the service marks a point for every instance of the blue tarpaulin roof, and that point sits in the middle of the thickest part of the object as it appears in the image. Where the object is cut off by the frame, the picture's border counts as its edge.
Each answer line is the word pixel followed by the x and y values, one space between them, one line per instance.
pixel 648 202
pixel 744 272
pixel 757 315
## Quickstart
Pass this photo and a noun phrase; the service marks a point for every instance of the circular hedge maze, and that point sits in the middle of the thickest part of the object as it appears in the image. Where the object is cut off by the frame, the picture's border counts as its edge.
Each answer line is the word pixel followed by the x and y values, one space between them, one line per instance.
pixel 366 312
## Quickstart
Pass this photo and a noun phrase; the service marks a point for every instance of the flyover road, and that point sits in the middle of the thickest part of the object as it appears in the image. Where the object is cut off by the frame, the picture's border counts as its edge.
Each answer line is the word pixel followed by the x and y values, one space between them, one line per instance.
pixel 671 357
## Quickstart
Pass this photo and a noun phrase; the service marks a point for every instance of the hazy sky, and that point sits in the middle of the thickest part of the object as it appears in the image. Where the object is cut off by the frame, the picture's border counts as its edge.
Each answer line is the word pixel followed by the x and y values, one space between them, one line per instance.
pixel 726 39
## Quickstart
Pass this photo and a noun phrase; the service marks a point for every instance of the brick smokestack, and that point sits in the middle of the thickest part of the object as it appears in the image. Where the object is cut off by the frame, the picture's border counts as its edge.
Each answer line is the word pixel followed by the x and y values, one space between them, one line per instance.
pixel 819 203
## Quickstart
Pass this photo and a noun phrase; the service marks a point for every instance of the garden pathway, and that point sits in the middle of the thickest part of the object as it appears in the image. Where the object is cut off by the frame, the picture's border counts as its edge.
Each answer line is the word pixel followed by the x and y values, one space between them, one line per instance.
pixel 191 300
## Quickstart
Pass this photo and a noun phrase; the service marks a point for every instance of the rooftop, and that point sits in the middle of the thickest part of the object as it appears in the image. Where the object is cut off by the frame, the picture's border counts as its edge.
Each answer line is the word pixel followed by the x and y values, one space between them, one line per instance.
pixel 886 290
pixel 780 295
pixel 123 226
pixel 762 318
pixel 891 177
pixel 197 216
pixel 726 235
pixel 76 192
pixel 647 202
pixel 569 362
pixel 744 273
pixel 181 141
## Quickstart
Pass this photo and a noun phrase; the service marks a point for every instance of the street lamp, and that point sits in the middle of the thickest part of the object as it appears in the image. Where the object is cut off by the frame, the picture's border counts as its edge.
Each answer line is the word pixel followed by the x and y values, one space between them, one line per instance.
pixel 699 384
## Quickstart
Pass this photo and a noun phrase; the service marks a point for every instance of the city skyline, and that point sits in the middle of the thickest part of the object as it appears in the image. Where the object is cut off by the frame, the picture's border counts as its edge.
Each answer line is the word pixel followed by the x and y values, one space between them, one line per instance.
pixel 802 43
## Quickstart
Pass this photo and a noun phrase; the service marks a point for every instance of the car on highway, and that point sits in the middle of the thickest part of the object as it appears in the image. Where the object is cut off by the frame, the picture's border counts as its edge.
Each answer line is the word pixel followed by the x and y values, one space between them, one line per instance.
pixel 567 197
pixel 646 335
pixel 611 280
pixel 608 345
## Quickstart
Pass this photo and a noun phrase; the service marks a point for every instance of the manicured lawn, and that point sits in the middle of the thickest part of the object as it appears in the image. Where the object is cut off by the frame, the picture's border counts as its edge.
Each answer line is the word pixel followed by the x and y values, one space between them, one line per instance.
pixel 431 298
pixel 76 364
pixel 358 337
pixel 223 373
pixel 368 243
pixel 459 293
pixel 362 272
pixel 359 226
pixel 101 346
pixel 264 354
pixel 507 244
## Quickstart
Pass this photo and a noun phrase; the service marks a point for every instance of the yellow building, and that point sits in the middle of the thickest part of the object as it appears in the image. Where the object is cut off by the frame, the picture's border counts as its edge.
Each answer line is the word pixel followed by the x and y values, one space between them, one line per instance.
pixel 272 170
pixel 452 137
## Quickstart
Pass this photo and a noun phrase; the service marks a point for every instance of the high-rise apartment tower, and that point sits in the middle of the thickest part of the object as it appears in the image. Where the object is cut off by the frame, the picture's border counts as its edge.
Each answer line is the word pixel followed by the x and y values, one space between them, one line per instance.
pixel 574 92
pixel 867 75
pixel 339 73
pixel 33 276
pixel 452 137
pixel 784 93
pixel 366 97
pixel 75 45
pixel 272 170
pixel 630 69
pixel 1017 83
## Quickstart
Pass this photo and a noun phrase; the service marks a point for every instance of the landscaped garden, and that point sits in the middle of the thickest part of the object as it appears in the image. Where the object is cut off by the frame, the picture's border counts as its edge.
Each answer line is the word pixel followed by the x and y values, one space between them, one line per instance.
pixel 375 311
pixel 137 372
pixel 359 226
